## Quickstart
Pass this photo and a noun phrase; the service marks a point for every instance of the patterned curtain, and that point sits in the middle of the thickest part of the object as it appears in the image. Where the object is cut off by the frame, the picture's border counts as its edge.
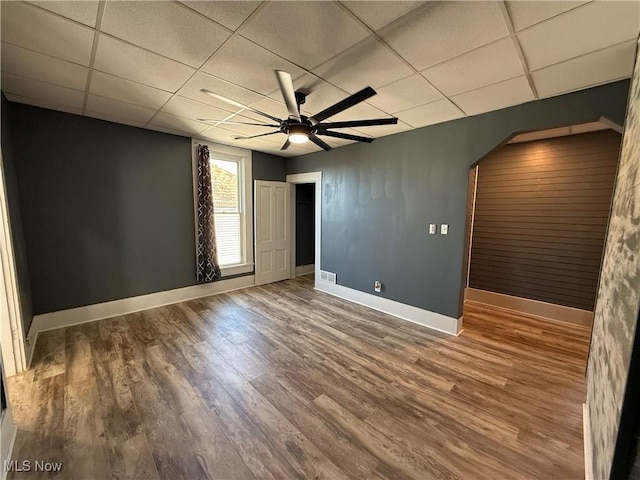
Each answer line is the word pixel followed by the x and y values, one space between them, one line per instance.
pixel 207 269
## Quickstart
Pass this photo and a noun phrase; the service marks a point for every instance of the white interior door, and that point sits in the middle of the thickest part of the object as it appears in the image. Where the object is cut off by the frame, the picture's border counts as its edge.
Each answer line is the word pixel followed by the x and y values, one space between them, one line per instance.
pixel 272 231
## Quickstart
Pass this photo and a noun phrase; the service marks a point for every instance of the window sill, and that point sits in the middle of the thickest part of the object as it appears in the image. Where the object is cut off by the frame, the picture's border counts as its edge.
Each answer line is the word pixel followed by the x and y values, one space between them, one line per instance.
pixel 236 269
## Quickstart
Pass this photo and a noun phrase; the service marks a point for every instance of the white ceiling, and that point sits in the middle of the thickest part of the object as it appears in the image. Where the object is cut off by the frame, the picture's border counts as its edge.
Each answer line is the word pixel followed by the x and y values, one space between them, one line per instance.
pixel 144 63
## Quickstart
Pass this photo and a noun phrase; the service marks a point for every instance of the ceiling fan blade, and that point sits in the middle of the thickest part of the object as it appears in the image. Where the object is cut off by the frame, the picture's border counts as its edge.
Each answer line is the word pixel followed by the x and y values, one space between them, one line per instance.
pixel 229 122
pixel 286 144
pixel 254 136
pixel 358 123
pixel 346 136
pixel 289 95
pixel 342 105
pixel 319 142
pixel 238 104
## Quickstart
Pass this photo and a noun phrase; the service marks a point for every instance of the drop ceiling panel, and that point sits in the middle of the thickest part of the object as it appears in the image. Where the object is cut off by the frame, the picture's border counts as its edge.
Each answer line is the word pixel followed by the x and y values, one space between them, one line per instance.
pixel 381 130
pixel 436 112
pixel 380 13
pixel 114 119
pixel 118 88
pixel 178 124
pixel 43 104
pixel 114 108
pixel 268 106
pixel 201 80
pixel 526 13
pixel 442 30
pixel 38 66
pixel 494 97
pixel 229 14
pixel 244 63
pixel 133 63
pixel 579 31
pixel 320 94
pixel 320 29
pixel 175 31
pixel 45 92
pixel 85 11
pixel 30 27
pixel 222 135
pixel 185 107
pixel 487 65
pixel 607 65
pixel 369 63
pixel 404 94
pixel 361 111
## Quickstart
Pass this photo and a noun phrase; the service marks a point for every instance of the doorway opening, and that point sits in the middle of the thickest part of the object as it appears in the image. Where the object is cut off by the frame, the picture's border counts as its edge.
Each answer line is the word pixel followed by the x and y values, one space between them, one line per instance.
pixel 304 235
pixel 539 207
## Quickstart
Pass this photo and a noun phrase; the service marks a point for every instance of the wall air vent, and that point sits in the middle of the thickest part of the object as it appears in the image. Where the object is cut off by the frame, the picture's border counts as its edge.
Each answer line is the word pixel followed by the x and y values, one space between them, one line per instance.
pixel 327 276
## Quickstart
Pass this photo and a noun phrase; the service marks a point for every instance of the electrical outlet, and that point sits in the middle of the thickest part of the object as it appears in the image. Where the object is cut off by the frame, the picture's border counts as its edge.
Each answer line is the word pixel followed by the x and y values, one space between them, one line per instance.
pixel 377 286
pixel 444 229
pixel 432 229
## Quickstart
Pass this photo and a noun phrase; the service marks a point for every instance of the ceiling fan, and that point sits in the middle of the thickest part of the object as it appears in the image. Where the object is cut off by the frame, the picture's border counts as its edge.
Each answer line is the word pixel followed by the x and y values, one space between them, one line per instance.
pixel 300 128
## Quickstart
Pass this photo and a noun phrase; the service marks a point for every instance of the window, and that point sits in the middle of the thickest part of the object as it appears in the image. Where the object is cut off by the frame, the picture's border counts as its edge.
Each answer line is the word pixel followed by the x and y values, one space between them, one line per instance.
pixel 232 205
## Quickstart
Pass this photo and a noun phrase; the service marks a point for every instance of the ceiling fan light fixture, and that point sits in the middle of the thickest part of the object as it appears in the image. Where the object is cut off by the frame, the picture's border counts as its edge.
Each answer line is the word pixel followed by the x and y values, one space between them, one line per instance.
pixel 299 134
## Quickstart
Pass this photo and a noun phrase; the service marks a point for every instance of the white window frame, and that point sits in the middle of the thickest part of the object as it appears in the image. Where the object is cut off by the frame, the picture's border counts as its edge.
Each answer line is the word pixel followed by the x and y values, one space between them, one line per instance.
pixel 244 159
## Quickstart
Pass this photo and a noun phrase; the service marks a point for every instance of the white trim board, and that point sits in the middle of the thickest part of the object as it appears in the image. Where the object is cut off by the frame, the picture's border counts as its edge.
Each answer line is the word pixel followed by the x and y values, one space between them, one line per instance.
pixel 99 311
pixel 433 320
pixel 536 308
pixel 305 270
pixel 588 452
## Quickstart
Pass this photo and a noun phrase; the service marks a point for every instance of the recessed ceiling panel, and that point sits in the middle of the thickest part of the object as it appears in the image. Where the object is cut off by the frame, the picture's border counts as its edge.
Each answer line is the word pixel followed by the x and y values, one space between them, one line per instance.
pixel 579 31
pixel 404 94
pixel 175 31
pixel 38 66
pixel 184 107
pixel 244 63
pixel 84 11
pixel 201 80
pixel 378 14
pixel 133 63
pixel 118 88
pixel 43 104
pixel 114 108
pixel 229 14
pixel 442 30
pixel 487 65
pixel 45 92
pixel 526 13
pixel 607 65
pixel 436 112
pixel 44 32
pixel 369 63
pixel 178 124
pixel 494 97
pixel 307 33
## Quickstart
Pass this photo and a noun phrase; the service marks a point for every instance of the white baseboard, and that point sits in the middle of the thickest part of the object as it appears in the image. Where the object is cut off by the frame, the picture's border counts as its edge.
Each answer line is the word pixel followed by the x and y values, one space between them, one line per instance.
pixel 588 452
pixel 435 321
pixel 99 311
pixel 543 310
pixel 8 431
pixel 305 269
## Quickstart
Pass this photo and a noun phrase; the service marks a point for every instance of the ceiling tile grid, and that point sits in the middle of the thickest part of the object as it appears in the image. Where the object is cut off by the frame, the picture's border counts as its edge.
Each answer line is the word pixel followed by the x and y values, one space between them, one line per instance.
pixel 145 63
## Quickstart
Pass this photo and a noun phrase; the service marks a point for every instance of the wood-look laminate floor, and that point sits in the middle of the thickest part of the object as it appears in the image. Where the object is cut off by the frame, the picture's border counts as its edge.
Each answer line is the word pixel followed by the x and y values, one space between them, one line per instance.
pixel 281 381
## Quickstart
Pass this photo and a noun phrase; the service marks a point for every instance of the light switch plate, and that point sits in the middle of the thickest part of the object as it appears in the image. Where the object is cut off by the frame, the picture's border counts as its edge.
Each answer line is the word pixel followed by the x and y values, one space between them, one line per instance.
pixel 432 229
pixel 444 229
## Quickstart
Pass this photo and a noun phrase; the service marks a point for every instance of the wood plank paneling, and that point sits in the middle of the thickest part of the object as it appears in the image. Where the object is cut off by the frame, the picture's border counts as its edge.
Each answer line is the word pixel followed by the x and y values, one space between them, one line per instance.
pixel 541 216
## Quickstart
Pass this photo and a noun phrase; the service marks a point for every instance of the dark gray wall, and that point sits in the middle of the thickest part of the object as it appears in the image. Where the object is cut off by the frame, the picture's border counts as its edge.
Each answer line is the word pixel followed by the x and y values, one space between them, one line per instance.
pixel 305 223
pixel 107 208
pixel 269 167
pixel 378 199
pixel 15 218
